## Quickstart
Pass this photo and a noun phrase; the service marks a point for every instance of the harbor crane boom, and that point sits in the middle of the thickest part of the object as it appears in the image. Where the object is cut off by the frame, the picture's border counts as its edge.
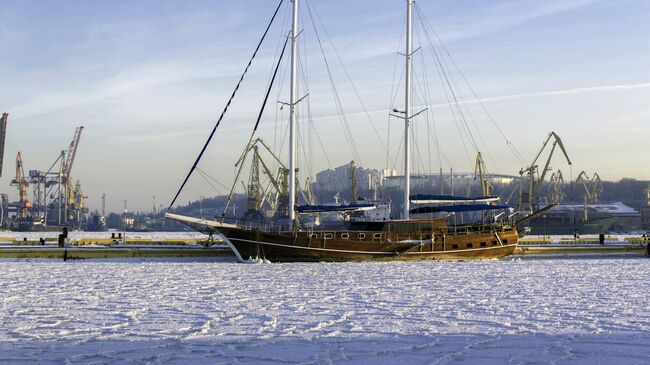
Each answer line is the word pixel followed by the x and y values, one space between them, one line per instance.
pixel 592 187
pixel 535 175
pixel 253 147
pixel 21 182
pixel 3 133
pixel 479 170
pixel 72 152
pixel 556 193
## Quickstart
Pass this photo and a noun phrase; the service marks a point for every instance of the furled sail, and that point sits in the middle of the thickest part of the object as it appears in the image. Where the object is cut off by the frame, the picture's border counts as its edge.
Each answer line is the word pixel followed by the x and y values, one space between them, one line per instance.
pixel 458 208
pixel 449 199
pixel 334 208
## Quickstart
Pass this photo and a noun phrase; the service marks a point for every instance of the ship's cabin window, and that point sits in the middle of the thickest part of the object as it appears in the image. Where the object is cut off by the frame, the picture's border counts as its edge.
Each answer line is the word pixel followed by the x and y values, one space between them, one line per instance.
pixel 313 235
pixel 469 245
pixel 376 236
pixel 505 242
pixel 328 236
pixel 361 236
pixel 483 244
pixel 454 246
pixel 494 243
pixel 345 236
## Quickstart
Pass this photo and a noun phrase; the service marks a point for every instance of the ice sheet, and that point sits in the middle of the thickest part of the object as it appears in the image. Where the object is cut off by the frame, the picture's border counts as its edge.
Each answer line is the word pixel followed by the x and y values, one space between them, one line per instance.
pixel 517 311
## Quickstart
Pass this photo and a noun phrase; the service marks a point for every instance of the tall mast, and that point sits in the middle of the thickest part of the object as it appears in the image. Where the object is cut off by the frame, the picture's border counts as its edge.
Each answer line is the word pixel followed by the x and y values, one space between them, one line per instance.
pixel 292 114
pixel 407 109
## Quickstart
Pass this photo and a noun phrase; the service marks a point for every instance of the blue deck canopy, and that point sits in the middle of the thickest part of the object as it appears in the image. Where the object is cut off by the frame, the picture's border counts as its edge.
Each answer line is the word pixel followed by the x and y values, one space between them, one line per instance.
pixel 457 208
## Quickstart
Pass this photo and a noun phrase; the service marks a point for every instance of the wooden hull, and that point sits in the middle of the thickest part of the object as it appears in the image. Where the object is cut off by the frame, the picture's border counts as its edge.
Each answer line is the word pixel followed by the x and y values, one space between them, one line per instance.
pixel 432 243
pixel 288 253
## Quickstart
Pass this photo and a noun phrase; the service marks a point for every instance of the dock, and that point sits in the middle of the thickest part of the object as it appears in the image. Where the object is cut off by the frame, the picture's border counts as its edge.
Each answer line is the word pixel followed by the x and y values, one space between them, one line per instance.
pixel 111 248
pixel 570 246
pixel 112 252
pixel 580 249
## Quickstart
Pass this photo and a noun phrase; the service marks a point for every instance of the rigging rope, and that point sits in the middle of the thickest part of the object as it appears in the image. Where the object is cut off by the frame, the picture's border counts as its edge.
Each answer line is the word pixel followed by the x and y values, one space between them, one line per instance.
pixel 393 91
pixel 347 74
pixel 201 171
pixel 257 122
pixel 463 103
pixel 347 132
pixel 456 112
pixel 241 79
pixel 510 145
pixel 268 91
pixel 203 176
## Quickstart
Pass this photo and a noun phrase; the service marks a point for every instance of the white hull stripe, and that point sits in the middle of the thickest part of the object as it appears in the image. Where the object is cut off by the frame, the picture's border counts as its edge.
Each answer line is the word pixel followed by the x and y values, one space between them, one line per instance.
pixel 367 252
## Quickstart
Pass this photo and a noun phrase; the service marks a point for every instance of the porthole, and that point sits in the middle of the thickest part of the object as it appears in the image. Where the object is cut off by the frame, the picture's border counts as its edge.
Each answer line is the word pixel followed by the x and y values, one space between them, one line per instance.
pixel 328 236
pixel 483 244
pixel 361 236
pixel 470 245
pixel 313 235
pixel 345 236
pixel 376 236
pixel 454 246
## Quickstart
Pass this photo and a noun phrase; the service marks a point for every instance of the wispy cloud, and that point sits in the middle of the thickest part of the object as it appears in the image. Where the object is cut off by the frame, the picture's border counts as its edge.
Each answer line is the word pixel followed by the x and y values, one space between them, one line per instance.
pixel 493 18
pixel 153 75
pixel 570 91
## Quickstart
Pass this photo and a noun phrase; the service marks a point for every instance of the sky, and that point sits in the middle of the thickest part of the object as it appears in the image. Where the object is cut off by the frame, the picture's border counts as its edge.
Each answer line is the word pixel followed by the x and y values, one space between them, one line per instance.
pixel 149 79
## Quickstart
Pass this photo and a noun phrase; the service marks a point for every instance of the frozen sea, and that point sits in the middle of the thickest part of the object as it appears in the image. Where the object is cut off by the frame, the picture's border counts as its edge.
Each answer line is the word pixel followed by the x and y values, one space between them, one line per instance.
pixel 521 311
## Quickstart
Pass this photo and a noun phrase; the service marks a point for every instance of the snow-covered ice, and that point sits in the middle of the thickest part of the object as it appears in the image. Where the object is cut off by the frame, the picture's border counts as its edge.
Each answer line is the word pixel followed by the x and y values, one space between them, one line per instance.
pixel 512 311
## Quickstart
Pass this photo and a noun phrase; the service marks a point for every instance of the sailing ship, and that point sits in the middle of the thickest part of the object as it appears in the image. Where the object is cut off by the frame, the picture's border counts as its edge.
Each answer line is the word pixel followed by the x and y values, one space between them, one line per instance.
pixel 401 239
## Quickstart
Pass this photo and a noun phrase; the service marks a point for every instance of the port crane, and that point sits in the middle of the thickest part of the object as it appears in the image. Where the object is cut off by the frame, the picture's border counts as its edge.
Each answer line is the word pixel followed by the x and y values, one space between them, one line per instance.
pixel 59 199
pixel 536 175
pixel 73 196
pixel 278 198
pixel 3 133
pixel 556 192
pixel 592 188
pixel 254 190
pixel 21 182
pixel 479 171
pixel 74 207
pixel 353 182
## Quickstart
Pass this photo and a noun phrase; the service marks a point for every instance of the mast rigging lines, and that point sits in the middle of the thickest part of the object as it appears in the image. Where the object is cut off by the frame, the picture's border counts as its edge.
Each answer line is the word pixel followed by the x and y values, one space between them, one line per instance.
pixel 223 113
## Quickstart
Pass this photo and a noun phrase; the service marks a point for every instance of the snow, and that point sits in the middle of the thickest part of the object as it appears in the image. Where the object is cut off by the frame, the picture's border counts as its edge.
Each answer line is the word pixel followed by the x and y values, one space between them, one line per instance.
pixel 617 208
pixel 517 310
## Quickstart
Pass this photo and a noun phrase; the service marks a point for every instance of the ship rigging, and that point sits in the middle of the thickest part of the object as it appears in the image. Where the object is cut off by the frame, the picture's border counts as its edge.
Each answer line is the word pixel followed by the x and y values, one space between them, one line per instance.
pixel 400 239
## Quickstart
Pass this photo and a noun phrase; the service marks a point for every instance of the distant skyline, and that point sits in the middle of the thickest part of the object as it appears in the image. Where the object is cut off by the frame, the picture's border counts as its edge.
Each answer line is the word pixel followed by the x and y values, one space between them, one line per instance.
pixel 148 79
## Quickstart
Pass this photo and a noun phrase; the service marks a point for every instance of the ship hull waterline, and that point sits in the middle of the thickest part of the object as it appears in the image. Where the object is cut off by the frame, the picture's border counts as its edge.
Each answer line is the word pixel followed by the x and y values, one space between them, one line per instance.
pixel 347 246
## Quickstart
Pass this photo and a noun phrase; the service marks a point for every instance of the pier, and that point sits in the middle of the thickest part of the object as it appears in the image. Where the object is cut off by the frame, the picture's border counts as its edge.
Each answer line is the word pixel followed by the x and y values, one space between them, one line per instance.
pixel 109 248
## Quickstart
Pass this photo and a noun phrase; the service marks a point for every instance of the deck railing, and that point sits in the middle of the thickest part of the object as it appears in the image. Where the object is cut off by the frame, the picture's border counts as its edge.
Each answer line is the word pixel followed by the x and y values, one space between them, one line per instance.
pixel 272 226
